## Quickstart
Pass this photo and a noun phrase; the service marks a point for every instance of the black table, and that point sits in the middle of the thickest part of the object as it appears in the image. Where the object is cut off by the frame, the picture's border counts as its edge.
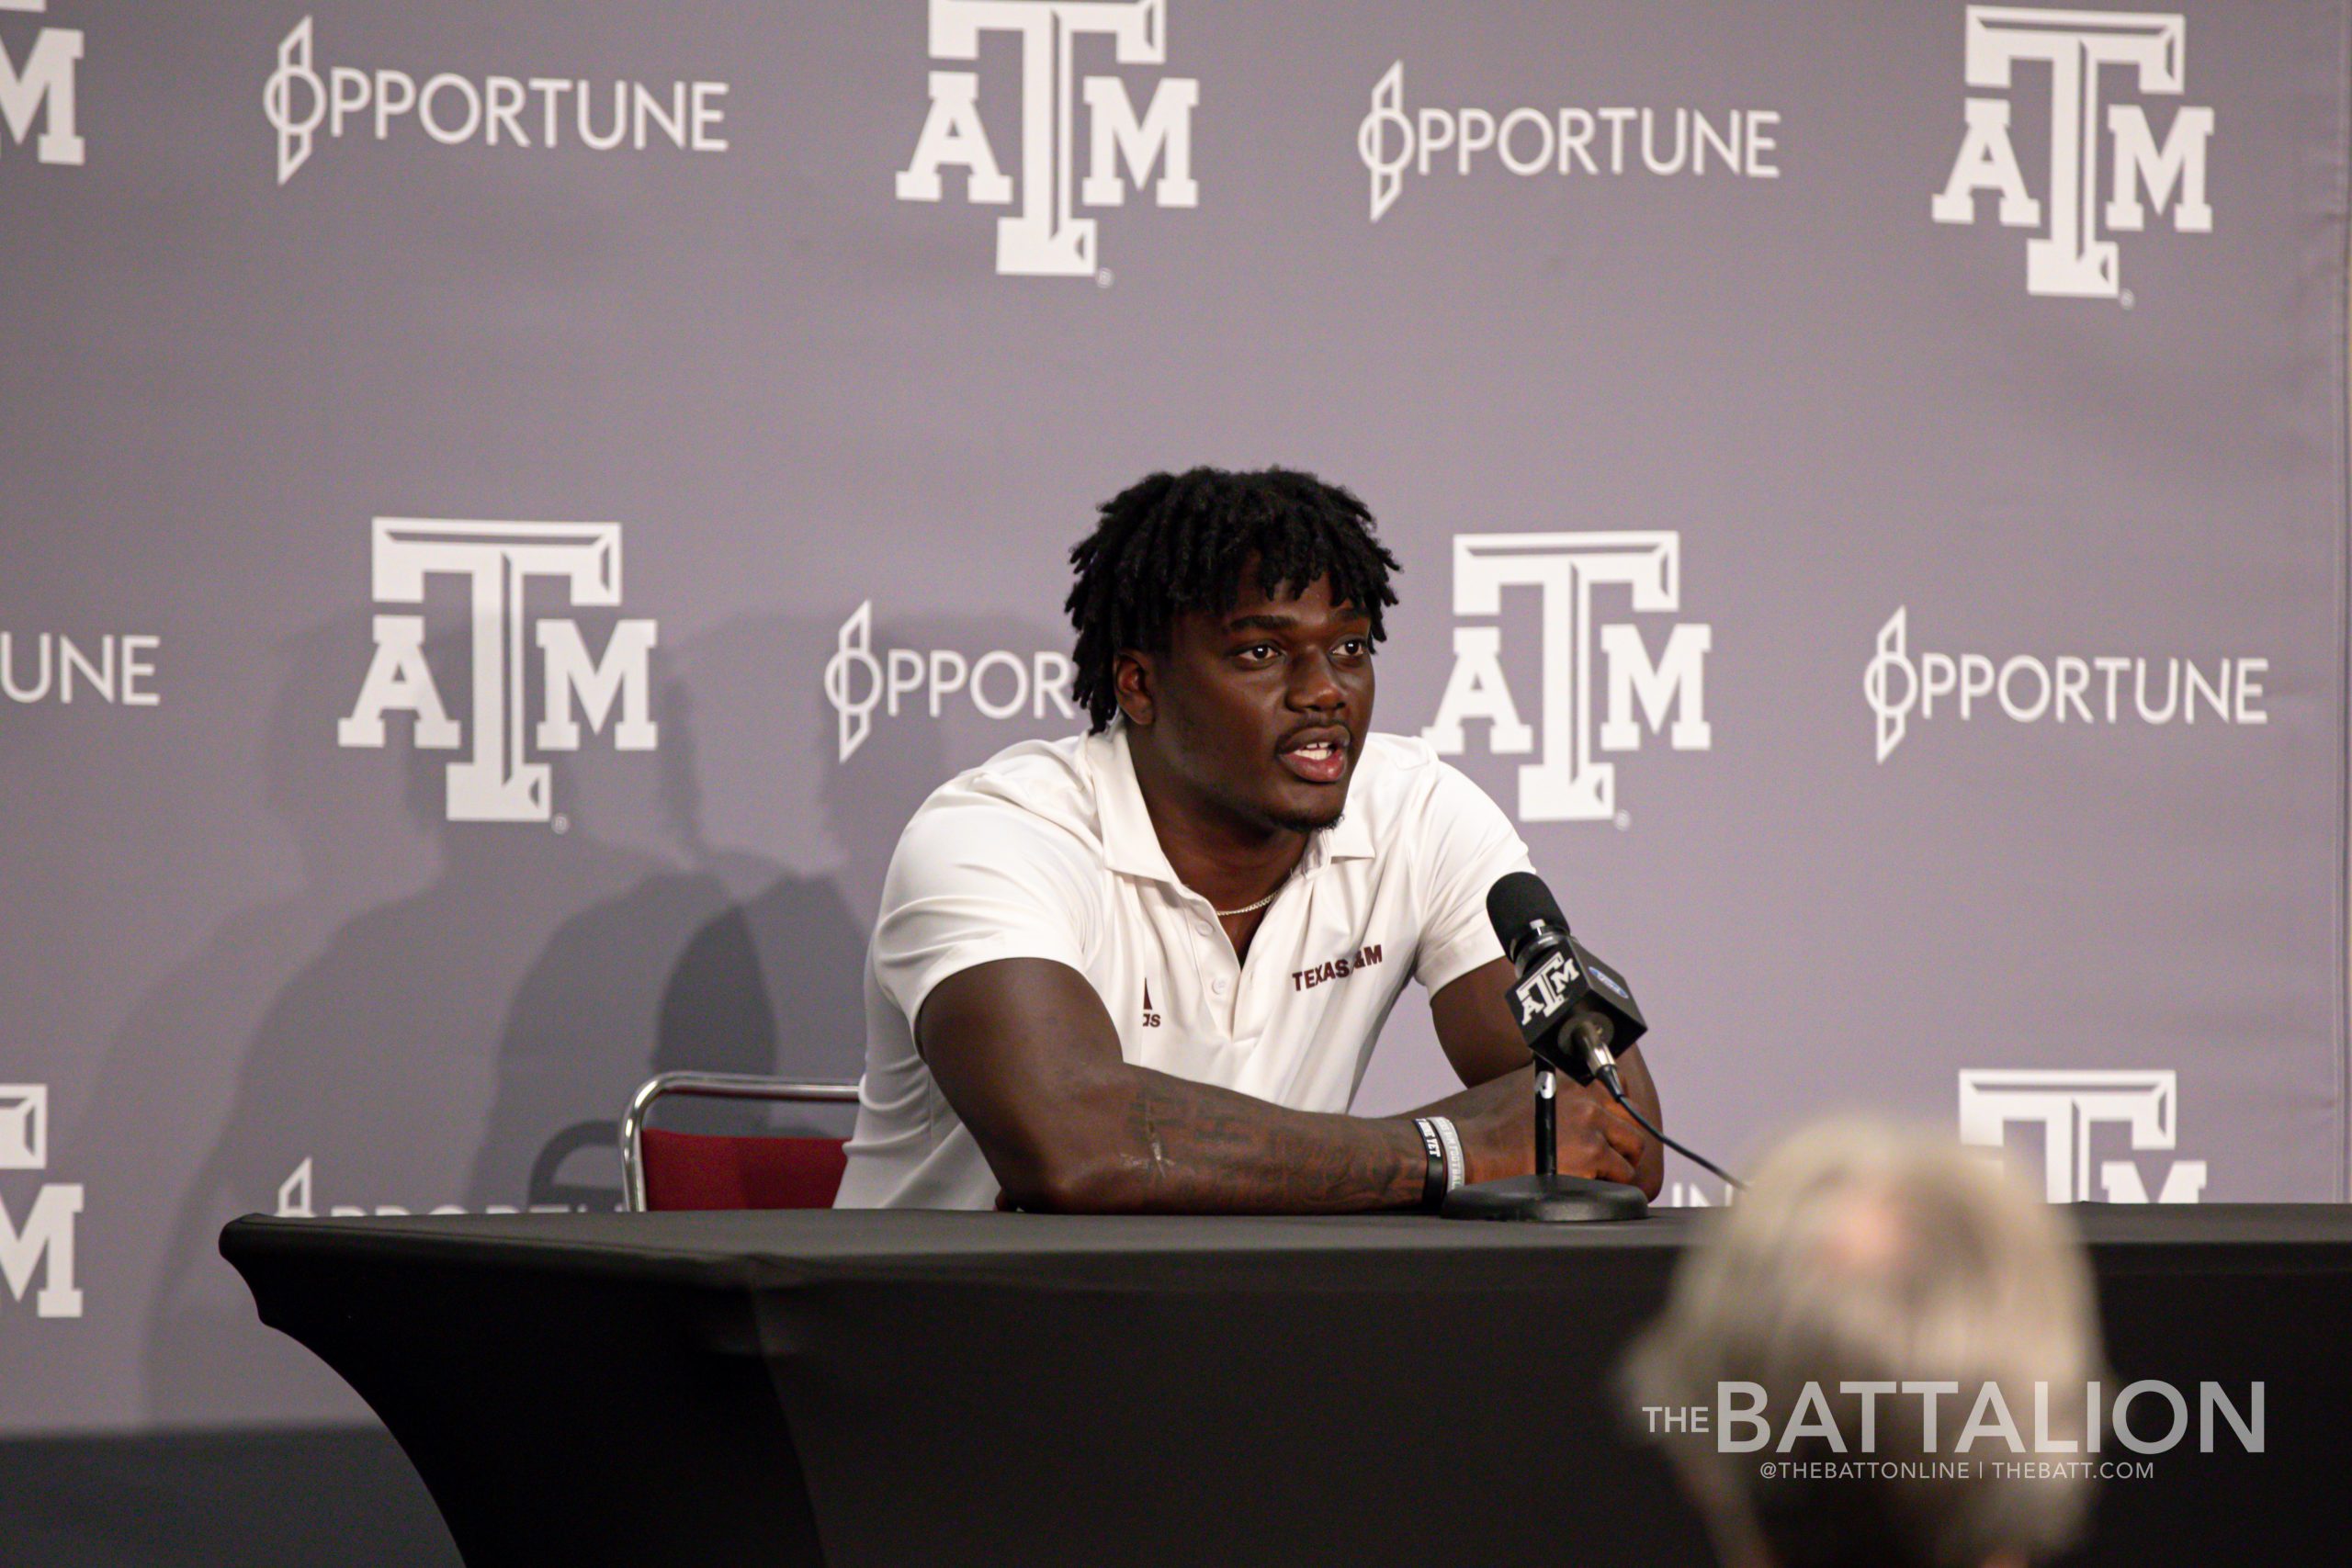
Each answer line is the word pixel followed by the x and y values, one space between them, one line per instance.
pixel 939 1389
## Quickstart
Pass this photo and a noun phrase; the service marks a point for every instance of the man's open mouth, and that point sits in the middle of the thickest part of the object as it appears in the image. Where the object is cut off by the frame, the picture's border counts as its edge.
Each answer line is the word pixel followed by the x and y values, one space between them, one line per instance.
pixel 1320 760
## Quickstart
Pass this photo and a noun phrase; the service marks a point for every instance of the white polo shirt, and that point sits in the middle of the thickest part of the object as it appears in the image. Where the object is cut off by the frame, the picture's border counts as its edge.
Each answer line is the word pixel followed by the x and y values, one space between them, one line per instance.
pixel 1045 850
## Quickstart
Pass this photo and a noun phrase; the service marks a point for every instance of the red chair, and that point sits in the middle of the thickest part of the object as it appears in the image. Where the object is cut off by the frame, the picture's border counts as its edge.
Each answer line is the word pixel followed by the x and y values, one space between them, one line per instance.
pixel 702 1170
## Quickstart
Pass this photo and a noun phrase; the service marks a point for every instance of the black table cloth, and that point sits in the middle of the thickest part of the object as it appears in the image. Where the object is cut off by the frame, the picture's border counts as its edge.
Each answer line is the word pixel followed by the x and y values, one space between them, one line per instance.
pixel 862 1388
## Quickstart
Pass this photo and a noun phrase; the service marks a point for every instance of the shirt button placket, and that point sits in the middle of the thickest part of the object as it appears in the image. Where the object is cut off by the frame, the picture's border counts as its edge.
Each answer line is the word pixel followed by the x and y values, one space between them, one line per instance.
pixel 1218 963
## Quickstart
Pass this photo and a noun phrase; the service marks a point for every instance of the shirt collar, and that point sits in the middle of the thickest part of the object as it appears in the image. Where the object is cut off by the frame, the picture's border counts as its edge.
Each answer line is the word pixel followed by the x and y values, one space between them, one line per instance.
pixel 1350 837
pixel 1131 844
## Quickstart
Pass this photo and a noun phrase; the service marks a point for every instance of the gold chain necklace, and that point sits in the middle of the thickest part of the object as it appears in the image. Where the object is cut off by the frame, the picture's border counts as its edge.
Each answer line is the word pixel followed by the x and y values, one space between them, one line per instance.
pixel 1248 908
pixel 1253 908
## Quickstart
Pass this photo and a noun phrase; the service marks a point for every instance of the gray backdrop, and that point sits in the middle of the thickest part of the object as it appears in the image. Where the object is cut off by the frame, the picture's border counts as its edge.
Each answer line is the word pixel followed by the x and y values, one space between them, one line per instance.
pixel 1767 406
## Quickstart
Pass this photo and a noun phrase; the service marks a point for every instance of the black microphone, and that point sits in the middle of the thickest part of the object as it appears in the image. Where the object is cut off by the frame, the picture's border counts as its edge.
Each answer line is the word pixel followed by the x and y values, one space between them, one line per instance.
pixel 1575 1012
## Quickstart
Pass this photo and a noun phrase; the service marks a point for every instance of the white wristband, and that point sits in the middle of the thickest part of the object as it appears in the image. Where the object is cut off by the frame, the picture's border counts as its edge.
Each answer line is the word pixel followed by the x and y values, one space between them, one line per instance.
pixel 1456 1166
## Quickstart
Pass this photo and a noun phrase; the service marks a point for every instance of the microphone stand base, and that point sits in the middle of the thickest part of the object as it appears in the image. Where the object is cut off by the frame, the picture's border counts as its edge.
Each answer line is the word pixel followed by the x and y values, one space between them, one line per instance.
pixel 1547 1199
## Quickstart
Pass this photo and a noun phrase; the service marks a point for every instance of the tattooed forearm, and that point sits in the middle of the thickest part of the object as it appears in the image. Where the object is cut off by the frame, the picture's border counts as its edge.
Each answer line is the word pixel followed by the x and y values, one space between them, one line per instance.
pixel 1192 1148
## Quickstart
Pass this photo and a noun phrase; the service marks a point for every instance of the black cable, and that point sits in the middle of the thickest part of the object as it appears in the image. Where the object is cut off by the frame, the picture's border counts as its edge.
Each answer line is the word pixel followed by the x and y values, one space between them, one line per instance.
pixel 1609 1081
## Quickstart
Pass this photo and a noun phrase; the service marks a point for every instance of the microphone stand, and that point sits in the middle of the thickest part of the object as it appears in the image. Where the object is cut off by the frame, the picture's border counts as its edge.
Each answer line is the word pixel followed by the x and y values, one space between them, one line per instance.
pixel 1547 1197
pixel 1547 1123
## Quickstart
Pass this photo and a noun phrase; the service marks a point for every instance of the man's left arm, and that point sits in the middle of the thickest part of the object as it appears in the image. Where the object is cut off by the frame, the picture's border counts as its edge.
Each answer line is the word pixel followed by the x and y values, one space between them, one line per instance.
pixel 1474 1022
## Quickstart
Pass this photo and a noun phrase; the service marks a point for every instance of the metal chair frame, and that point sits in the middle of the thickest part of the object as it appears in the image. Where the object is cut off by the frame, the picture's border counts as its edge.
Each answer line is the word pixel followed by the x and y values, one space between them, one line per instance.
pixel 707 1085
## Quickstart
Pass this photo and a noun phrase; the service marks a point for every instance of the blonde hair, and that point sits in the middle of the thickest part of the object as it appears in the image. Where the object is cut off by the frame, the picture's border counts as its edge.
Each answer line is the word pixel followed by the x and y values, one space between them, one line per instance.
pixel 1867 1252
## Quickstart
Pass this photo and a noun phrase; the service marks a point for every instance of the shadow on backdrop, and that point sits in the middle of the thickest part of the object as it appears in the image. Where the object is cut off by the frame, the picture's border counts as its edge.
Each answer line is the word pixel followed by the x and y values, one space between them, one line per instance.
pixel 598 1011
pixel 780 978
pixel 470 1040
pixel 168 1083
pixel 774 983
pixel 368 1077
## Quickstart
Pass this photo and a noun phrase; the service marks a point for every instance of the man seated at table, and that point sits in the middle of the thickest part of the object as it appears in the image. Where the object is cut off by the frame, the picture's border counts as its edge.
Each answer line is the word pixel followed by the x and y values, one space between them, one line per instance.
pixel 1143 969
pixel 1907 1279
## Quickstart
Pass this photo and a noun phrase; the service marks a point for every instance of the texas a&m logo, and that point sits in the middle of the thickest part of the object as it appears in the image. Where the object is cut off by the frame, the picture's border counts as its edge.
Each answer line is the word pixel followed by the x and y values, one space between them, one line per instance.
pixel 42 1245
pixel 2070 1107
pixel 37 87
pixel 1333 969
pixel 1044 238
pixel 496 781
pixel 1569 781
pixel 1542 993
pixel 2085 55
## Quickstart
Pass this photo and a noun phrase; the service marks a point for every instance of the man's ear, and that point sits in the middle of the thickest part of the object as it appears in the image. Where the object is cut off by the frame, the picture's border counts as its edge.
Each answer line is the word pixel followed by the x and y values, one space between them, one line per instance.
pixel 1136 683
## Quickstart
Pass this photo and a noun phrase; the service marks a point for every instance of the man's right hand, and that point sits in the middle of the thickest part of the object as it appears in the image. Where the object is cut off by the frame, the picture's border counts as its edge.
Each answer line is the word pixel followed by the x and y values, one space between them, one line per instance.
pixel 1497 1120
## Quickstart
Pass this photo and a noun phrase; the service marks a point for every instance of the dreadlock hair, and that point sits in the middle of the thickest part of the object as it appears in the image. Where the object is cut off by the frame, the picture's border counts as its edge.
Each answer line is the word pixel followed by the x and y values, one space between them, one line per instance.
pixel 1176 542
